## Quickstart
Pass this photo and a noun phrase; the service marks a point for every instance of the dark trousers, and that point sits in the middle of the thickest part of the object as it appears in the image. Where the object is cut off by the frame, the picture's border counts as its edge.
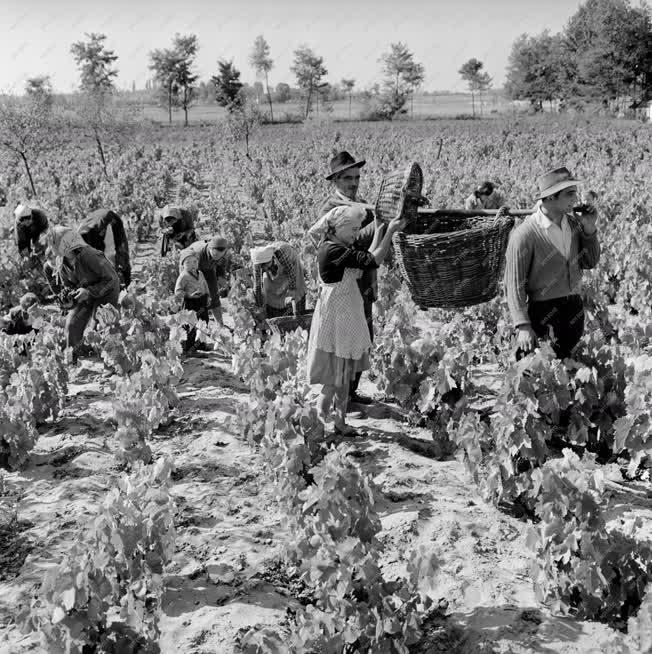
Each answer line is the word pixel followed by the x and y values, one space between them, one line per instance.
pixel 369 317
pixel 81 314
pixel 200 306
pixel 565 316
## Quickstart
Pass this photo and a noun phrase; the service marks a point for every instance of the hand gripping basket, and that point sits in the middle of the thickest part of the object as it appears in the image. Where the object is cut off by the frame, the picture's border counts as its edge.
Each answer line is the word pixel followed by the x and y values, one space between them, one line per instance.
pixel 287 324
pixel 400 194
pixel 450 259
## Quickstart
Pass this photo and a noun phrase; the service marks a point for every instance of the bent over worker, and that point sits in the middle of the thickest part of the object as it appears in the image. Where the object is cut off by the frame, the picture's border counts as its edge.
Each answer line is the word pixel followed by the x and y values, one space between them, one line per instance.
pixel 278 279
pixel 87 273
pixel 178 228
pixel 103 229
pixel 546 255
pixel 215 264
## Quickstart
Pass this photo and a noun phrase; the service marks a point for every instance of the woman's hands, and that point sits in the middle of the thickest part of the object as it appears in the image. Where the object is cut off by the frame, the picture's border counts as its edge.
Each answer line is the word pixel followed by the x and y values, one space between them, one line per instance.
pixel 81 295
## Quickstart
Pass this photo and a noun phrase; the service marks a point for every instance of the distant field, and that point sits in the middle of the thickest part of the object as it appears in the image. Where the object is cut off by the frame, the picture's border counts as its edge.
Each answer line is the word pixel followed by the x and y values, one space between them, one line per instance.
pixel 444 105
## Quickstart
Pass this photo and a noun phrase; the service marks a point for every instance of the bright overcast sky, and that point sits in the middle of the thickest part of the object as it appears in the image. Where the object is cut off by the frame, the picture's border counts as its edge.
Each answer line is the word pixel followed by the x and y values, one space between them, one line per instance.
pixel 35 35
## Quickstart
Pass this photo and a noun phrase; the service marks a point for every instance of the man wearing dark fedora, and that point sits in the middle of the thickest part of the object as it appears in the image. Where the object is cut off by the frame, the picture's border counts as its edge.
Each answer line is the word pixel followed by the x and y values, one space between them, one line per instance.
pixel 345 178
pixel 545 258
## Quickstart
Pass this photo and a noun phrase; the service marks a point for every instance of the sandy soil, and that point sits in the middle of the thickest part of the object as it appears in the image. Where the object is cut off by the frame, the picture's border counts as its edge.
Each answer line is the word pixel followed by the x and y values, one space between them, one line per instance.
pixel 229 529
pixel 224 578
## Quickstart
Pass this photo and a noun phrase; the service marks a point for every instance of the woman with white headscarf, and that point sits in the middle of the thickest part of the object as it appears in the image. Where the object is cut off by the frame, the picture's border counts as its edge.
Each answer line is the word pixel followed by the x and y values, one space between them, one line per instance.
pixel 339 342
pixel 85 271
pixel 278 279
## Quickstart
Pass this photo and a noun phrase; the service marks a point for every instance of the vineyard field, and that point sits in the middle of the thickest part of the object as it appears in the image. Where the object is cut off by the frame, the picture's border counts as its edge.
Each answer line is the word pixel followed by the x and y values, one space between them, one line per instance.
pixel 156 502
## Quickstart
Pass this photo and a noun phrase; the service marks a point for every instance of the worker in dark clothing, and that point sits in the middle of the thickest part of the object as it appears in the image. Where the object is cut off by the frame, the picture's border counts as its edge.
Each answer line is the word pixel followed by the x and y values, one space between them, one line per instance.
pixel 103 229
pixel 17 321
pixel 87 274
pixel 178 228
pixel 29 224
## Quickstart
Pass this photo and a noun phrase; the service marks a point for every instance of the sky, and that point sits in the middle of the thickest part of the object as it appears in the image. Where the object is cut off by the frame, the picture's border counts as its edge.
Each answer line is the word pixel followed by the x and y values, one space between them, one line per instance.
pixel 350 35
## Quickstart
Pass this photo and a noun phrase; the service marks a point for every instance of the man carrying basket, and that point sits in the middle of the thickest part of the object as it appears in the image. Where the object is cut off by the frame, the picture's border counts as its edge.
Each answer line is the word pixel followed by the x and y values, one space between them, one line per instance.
pixel 545 257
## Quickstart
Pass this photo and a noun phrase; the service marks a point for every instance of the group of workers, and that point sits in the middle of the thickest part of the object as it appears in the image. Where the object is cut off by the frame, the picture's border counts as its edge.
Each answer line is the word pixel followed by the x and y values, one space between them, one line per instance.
pixel 543 274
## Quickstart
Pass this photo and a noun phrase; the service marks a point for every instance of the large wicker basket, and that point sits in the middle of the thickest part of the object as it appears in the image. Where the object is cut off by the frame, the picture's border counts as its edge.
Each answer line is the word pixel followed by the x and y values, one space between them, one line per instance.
pixel 287 324
pixel 400 194
pixel 452 261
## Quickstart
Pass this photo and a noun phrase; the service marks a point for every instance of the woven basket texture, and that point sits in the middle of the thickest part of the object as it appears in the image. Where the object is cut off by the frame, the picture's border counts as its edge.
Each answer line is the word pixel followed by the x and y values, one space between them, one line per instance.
pixel 453 261
pixel 286 324
pixel 399 193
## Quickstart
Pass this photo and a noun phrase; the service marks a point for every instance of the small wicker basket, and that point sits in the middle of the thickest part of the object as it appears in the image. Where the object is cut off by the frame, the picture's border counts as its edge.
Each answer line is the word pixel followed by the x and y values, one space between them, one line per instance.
pixel 287 324
pixel 452 260
pixel 400 194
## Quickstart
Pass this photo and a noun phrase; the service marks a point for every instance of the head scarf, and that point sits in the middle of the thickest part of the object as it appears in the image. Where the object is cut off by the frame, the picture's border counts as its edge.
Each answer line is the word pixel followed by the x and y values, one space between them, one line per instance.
pixel 341 216
pixel 262 254
pixel 22 211
pixel 62 241
pixel 172 210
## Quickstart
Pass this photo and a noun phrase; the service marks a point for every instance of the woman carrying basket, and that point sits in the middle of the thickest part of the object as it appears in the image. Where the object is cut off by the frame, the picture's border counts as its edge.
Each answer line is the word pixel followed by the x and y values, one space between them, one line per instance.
pixel 339 342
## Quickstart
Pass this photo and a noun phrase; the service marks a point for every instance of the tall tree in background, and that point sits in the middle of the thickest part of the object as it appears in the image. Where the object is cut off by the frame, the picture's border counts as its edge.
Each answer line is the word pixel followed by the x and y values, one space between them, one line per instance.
pixel 164 64
pixel 186 49
pixel 95 63
pixel 610 44
pixel 539 69
pixel 228 87
pixel 309 70
pixel 478 80
pixel 402 76
pixel 283 92
pixel 263 64
pixel 347 87
pixel 173 70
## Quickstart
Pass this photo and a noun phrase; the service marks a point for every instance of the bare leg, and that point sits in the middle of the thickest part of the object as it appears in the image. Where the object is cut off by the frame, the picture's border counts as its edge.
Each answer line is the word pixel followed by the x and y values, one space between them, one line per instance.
pixel 325 402
pixel 341 404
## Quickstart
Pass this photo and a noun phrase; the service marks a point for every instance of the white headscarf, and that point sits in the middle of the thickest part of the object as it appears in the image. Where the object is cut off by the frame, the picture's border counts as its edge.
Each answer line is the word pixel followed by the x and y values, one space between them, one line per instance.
pixel 262 254
pixel 336 217
pixel 62 241
pixel 22 211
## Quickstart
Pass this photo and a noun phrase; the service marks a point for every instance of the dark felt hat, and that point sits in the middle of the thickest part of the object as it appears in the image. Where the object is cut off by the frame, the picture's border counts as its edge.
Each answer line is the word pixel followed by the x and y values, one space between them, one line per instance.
pixel 343 161
pixel 554 181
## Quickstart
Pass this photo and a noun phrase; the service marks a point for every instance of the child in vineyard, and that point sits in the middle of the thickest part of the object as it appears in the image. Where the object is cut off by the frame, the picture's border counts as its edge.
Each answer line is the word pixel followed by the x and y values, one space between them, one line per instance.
pixel 278 280
pixel 339 343
pixel 484 197
pixel 191 290
pixel 178 228
pixel 103 230
pixel 87 273
pixel 215 264
pixel 30 223
pixel 545 257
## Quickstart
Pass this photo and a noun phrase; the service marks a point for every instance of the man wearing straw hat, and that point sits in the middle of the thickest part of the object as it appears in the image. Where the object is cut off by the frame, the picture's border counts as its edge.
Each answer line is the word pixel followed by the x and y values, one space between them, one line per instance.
pixel 545 258
pixel 279 284
pixel 345 177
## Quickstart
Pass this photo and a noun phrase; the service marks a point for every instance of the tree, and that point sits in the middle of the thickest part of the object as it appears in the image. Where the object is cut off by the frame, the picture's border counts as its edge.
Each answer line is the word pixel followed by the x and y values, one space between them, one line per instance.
pixel 228 87
pixel 414 79
pixel 95 63
pixel 283 92
pixel 309 70
pixel 538 69
pixel 402 76
pixel 610 45
pixel 39 89
pixel 173 69
pixel 477 79
pixel 347 87
pixel 27 130
pixel 263 64
pixel 164 64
